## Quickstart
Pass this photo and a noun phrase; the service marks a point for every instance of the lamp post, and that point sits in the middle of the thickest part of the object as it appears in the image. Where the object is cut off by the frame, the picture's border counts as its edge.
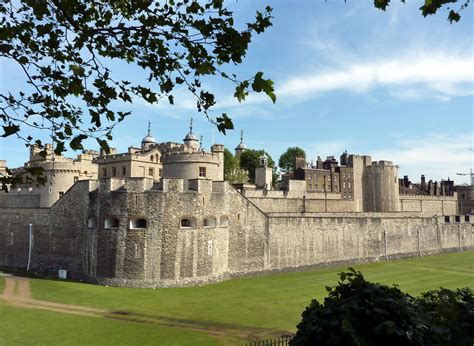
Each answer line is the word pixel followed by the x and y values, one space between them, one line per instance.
pixel 29 245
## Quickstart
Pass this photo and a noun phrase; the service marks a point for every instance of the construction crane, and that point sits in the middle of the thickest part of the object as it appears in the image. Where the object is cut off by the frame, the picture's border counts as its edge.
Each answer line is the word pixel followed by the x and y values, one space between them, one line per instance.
pixel 471 173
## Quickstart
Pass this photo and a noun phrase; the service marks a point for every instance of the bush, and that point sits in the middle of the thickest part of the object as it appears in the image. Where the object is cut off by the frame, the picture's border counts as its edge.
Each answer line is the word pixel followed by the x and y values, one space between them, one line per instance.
pixel 358 312
pixel 449 315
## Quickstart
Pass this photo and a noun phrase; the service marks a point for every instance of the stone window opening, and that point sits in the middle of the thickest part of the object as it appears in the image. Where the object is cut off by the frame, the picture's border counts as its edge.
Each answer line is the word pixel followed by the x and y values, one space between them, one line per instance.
pixel 114 171
pixel 138 224
pixel 124 170
pixel 92 222
pixel 111 223
pixel 151 172
pixel 457 219
pixel 188 223
pixel 152 158
pixel 224 221
pixel 104 172
pixel 467 218
pixel 61 193
pixel 11 241
pixel 463 196
pixel 209 222
pixel 202 171
pixel 446 219
pixel 76 179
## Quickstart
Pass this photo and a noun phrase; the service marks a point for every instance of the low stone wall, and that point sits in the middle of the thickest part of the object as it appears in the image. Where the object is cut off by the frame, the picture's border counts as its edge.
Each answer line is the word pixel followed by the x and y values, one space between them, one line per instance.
pixel 429 205
pixel 307 241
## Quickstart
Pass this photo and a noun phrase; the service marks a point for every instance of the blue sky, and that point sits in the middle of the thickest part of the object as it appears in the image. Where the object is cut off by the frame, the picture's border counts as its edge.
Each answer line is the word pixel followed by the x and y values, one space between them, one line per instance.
pixel 393 85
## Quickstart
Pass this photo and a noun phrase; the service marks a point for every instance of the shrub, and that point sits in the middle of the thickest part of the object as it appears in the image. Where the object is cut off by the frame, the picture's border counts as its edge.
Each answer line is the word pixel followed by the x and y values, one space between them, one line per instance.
pixel 358 312
pixel 449 316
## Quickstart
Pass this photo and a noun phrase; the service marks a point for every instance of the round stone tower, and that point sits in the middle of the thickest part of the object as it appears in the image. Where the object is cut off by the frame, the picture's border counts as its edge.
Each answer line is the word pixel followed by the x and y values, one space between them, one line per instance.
pixel 381 193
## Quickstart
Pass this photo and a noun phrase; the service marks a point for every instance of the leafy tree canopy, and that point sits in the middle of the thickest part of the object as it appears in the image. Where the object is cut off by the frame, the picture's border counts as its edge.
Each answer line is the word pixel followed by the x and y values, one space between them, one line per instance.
pixel 249 160
pixel 430 7
pixel 65 48
pixel 287 159
pixel 232 171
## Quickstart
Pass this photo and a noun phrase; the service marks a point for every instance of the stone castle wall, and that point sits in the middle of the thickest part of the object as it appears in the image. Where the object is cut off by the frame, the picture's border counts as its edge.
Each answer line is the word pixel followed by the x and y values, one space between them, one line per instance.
pixel 429 205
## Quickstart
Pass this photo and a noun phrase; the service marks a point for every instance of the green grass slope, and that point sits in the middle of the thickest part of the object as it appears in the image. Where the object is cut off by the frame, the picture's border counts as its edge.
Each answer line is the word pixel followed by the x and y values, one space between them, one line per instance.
pixel 272 303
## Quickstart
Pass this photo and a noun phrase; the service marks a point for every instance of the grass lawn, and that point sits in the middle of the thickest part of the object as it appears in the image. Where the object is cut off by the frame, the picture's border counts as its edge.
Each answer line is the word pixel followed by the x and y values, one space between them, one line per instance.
pixel 273 302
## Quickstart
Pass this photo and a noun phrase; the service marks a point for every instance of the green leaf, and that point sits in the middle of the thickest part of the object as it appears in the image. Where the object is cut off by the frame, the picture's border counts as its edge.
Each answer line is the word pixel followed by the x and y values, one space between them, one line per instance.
pixel 10 130
pixel 76 142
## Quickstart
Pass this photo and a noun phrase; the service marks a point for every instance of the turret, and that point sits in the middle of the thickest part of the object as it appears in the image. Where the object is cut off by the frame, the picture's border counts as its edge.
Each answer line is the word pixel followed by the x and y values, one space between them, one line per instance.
pixel 241 147
pixel 263 174
pixel 191 141
pixel 148 141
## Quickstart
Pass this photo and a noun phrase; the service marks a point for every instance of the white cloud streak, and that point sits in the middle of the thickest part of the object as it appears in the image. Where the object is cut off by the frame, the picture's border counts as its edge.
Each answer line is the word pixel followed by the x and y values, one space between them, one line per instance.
pixel 437 156
pixel 442 75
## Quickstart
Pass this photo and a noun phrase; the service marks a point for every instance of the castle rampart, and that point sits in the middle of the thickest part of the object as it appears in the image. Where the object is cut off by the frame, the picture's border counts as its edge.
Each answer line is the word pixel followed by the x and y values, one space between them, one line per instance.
pixel 137 233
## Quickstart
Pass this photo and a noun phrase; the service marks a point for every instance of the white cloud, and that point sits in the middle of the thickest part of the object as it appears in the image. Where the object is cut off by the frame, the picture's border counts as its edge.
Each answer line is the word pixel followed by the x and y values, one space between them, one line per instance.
pixel 437 156
pixel 439 75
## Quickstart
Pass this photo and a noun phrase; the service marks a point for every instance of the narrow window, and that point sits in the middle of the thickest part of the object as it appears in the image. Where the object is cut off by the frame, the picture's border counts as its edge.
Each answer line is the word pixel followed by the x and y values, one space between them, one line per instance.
pixel 349 184
pixel 188 223
pixel 466 218
pixel 224 221
pixel 92 222
pixel 344 184
pixel 457 219
pixel 11 238
pixel 151 158
pixel 114 171
pixel 124 170
pixel 209 247
pixel 202 171
pixel 446 219
pixel 111 223
pixel 104 172
pixel 151 172
pixel 463 196
pixel 76 179
pixel 209 222
pixel 61 193
pixel 160 172
pixel 137 224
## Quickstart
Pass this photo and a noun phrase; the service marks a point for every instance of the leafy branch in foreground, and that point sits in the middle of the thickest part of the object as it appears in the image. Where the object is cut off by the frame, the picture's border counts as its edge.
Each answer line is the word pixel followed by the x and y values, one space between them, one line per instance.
pixel 430 7
pixel 66 50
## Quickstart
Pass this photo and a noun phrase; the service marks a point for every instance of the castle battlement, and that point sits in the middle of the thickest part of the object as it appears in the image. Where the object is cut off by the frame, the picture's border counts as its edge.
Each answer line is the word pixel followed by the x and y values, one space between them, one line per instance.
pixel 188 156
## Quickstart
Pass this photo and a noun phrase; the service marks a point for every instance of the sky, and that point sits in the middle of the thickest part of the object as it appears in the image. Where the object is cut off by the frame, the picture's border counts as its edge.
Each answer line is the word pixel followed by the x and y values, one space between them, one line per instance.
pixel 393 85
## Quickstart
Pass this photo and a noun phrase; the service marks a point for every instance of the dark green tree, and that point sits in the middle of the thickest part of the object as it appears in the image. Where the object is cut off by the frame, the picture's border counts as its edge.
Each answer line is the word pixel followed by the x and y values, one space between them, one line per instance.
pixel 287 159
pixel 65 50
pixel 232 171
pixel 249 160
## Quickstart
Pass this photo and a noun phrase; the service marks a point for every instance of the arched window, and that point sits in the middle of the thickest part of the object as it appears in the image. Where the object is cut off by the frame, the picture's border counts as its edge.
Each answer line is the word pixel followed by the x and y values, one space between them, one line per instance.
pixel 210 222
pixel 92 222
pixel 188 223
pixel 224 221
pixel 111 222
pixel 137 224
